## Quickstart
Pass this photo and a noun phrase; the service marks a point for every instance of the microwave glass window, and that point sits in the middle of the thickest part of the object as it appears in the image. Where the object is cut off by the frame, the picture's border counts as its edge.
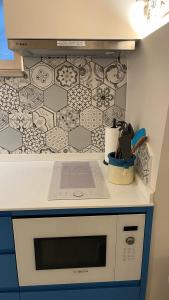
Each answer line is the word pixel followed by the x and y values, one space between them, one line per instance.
pixel 76 175
pixel 70 252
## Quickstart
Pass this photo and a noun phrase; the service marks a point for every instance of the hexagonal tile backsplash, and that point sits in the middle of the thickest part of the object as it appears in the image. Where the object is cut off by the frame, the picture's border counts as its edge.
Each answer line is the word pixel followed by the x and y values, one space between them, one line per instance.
pixel 62 105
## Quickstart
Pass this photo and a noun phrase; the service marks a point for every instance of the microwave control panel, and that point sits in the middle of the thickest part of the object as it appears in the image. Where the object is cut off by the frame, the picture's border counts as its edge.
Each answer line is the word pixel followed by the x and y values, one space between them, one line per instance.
pixel 129 246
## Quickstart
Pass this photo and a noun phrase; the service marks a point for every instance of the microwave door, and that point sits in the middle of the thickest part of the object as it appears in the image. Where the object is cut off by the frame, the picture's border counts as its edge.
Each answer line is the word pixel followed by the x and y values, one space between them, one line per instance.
pixel 65 250
pixel 70 252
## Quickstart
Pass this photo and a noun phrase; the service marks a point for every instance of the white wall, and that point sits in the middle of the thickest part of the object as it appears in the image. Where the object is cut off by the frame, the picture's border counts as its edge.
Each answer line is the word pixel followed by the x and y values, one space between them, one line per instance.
pixel 147 105
pixel 148 90
pixel 158 285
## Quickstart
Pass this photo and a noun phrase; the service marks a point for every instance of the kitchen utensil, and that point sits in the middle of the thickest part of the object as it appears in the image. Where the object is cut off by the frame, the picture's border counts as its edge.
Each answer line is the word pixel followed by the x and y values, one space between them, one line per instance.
pixel 138 136
pixel 140 142
pixel 125 146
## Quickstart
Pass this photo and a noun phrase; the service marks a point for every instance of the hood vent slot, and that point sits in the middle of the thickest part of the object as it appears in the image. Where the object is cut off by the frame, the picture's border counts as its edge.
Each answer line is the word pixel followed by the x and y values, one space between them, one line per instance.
pixel 70 47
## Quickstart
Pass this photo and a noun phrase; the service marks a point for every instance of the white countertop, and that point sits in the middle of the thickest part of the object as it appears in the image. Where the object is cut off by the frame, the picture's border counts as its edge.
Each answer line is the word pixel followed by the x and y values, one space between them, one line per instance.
pixel 25 180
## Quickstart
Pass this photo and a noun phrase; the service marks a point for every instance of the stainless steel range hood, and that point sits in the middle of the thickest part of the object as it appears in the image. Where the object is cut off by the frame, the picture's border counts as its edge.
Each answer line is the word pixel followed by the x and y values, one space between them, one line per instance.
pixel 64 27
pixel 52 47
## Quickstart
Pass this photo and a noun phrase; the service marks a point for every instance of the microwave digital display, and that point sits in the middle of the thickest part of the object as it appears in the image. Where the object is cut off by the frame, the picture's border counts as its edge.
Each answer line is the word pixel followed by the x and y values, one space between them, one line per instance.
pixel 70 252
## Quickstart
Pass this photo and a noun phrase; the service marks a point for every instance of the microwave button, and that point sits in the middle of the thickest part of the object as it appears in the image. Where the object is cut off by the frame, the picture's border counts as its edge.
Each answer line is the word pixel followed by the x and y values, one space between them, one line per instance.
pixel 78 194
pixel 130 240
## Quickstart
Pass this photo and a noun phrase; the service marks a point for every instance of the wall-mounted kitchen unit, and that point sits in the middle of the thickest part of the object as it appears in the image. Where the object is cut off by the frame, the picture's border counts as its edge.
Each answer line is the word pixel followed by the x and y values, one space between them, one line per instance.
pixel 42 28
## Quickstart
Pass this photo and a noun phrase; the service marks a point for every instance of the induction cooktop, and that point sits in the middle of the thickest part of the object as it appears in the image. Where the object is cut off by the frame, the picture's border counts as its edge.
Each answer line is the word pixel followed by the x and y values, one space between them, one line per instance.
pixel 77 180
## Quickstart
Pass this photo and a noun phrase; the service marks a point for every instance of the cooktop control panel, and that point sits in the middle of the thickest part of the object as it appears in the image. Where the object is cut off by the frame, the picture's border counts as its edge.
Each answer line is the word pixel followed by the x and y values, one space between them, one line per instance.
pixel 77 180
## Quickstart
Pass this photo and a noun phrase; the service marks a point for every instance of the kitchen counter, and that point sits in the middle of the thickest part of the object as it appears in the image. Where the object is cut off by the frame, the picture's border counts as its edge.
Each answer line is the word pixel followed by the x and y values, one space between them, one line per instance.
pixel 25 181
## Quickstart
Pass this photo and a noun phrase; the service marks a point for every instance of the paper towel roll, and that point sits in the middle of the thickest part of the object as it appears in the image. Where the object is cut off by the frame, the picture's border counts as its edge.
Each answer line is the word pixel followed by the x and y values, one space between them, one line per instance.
pixel 111 141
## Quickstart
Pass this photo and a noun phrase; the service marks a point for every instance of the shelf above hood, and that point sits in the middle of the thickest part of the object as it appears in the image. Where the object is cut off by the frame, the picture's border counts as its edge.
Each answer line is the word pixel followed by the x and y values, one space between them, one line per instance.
pixel 53 47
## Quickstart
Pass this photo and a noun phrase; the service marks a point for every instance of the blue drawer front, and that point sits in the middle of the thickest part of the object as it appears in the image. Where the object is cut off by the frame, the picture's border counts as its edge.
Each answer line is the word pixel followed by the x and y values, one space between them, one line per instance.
pixel 6 235
pixel 120 293
pixel 8 272
pixel 9 296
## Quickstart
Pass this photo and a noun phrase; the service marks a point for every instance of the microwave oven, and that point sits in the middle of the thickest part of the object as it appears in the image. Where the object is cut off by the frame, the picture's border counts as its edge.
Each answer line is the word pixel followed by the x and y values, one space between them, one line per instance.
pixel 79 249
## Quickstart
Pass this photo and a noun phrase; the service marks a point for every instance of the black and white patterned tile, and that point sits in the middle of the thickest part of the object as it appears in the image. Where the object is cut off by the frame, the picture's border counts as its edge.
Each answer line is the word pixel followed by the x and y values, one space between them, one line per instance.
pixel 9 98
pixel 67 118
pixel 144 163
pixel 57 138
pixel 31 97
pixel 103 97
pixel 20 119
pixel 18 83
pixel 44 119
pixel 66 76
pixel 91 118
pixel 98 138
pixel 91 75
pixel 42 76
pixel 79 97
pixel 62 104
pixel 115 75
pixel 111 113
pixel 33 139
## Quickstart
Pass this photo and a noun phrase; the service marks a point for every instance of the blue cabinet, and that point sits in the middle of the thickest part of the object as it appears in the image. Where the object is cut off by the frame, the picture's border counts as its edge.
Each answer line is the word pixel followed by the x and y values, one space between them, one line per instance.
pixel 9 286
pixel 118 293
pixel 9 296
pixel 6 235
pixel 8 273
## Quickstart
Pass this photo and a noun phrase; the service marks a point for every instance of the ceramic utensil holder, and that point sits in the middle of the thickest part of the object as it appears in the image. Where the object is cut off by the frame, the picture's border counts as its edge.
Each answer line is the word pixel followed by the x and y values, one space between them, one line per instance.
pixel 120 171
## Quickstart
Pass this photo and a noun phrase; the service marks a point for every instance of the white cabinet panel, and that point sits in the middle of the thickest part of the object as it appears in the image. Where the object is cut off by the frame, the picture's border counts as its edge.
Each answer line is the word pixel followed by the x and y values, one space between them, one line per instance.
pixel 75 19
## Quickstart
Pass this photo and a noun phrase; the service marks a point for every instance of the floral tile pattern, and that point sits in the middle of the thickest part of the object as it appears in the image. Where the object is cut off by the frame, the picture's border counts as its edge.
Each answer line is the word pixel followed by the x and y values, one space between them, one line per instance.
pixel 66 76
pixel 18 83
pixel 62 104
pixel 115 75
pixel 67 118
pixel 79 61
pixel 79 97
pixel 103 97
pixel 91 118
pixel 91 75
pixel 111 113
pixel 31 97
pixel 9 98
pixel 42 76
pixel 33 139
pixel 20 119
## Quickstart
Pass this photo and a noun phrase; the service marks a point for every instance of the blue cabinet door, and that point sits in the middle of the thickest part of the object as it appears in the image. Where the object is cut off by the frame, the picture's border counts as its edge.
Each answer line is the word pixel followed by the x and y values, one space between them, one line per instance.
pixel 120 293
pixel 8 273
pixel 6 235
pixel 9 296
